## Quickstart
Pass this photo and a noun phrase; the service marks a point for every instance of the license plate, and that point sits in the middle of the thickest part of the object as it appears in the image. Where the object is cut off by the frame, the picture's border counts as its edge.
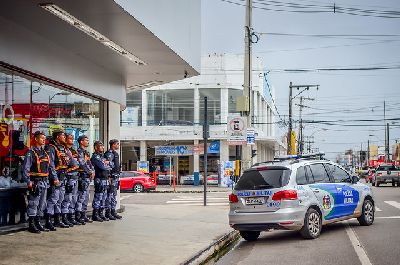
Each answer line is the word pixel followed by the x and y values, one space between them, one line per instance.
pixel 255 200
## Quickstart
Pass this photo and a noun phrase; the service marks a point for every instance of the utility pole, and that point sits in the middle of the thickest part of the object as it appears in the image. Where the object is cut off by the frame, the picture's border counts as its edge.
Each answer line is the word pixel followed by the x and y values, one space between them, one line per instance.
pixel 384 124
pixel 368 154
pixel 387 152
pixel 300 146
pixel 304 88
pixel 205 137
pixel 247 91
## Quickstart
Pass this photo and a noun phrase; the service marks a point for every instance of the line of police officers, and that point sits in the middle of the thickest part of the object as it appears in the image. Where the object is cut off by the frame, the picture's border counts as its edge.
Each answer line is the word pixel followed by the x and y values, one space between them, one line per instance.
pixel 58 178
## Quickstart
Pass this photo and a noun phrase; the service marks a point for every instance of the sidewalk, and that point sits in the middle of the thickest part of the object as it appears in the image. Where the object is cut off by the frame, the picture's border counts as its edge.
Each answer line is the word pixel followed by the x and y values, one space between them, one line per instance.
pixel 147 234
pixel 191 188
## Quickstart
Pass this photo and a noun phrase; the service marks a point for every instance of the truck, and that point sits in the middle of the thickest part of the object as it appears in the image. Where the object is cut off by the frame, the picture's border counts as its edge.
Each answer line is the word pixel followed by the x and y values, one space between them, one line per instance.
pixel 386 173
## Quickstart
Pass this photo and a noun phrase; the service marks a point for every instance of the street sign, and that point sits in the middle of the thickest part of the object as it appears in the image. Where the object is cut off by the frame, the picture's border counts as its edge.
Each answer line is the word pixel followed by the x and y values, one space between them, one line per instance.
pixel 237 130
pixel 251 137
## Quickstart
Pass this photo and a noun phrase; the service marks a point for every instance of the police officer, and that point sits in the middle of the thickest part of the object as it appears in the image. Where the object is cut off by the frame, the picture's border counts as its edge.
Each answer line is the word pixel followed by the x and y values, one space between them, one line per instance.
pixel 37 168
pixel 86 175
pixel 62 160
pixel 71 187
pixel 102 173
pixel 111 201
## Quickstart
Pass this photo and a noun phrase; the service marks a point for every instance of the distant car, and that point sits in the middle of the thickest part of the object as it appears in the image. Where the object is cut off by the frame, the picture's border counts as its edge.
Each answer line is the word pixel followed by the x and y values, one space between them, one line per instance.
pixel 136 181
pixel 189 179
pixel 370 175
pixel 363 172
pixel 212 179
pixel 164 178
pixel 386 173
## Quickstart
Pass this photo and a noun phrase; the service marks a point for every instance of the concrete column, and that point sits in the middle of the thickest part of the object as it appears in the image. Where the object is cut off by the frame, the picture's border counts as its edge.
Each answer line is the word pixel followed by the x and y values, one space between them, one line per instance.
pixel 144 108
pixel 196 161
pixel 256 118
pixel 196 106
pixel 143 151
pixel 223 150
pixel 265 117
pixel 113 130
pixel 224 105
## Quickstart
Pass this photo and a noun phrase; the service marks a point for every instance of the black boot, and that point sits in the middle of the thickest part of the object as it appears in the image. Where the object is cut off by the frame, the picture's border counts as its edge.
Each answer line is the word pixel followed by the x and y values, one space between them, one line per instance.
pixel 58 222
pixel 78 218
pixel 96 216
pixel 39 225
pixel 101 215
pixel 49 225
pixel 66 221
pixel 85 218
pixel 32 228
pixel 115 214
pixel 71 219
pixel 109 215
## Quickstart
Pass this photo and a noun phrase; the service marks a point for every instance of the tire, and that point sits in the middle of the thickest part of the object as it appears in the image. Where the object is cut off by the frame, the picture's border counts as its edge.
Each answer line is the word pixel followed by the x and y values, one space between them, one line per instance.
pixel 393 183
pixel 373 183
pixel 398 184
pixel 312 224
pixel 138 188
pixel 377 183
pixel 368 213
pixel 250 235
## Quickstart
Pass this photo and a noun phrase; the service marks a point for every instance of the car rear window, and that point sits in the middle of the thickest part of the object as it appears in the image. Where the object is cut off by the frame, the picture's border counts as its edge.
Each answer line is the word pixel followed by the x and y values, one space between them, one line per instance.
pixel 263 179
pixel 386 168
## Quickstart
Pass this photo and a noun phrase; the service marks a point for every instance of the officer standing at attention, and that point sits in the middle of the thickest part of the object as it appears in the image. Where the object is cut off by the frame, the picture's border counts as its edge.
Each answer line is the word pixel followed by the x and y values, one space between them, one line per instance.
pixel 36 170
pixel 102 173
pixel 62 160
pixel 111 202
pixel 86 175
pixel 71 187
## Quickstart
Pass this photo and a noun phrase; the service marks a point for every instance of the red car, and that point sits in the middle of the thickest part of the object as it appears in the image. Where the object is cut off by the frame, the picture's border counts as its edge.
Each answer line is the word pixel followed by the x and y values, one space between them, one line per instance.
pixel 136 181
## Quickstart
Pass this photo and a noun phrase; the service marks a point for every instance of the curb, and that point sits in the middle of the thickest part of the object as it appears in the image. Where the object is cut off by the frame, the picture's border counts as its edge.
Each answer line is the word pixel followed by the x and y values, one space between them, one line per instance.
pixel 215 249
pixel 186 191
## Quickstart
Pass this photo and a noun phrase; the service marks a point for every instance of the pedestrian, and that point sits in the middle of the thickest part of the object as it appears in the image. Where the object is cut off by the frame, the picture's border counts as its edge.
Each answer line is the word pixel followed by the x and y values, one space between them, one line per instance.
pixel 86 175
pixel 60 158
pixel 37 168
pixel 71 187
pixel 102 173
pixel 113 157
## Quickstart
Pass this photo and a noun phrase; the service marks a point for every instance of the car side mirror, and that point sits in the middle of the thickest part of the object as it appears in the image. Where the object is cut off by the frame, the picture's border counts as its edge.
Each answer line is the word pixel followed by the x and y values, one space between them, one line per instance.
pixel 354 179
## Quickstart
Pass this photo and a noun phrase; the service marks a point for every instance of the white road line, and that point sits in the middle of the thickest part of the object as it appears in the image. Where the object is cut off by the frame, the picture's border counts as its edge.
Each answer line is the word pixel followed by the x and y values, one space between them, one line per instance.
pixel 388 217
pixel 193 203
pixel 393 203
pixel 199 199
pixel 362 255
pixel 377 209
pixel 125 197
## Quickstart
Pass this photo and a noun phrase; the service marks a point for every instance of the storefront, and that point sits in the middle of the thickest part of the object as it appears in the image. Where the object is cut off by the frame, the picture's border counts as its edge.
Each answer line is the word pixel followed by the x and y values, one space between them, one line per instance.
pixel 29 104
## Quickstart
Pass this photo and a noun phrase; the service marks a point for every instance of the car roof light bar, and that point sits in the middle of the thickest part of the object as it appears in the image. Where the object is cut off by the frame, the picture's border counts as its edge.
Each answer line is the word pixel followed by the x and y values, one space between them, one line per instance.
pixel 305 156
pixel 73 21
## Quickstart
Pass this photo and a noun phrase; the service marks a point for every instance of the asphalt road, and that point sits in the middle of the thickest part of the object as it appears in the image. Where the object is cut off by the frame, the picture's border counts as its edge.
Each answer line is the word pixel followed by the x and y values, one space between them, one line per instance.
pixel 341 243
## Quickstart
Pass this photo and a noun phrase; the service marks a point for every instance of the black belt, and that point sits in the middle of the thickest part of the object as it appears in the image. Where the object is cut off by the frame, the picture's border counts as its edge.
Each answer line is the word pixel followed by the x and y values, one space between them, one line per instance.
pixel 37 178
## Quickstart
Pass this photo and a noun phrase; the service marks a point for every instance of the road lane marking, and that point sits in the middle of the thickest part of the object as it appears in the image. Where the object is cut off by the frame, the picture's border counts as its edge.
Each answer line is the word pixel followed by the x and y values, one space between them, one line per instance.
pixel 125 197
pixel 388 217
pixel 377 209
pixel 196 202
pixel 393 203
pixel 199 199
pixel 362 255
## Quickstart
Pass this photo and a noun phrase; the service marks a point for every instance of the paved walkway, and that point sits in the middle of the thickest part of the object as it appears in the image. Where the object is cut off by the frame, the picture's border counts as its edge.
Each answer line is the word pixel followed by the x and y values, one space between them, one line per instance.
pixel 148 234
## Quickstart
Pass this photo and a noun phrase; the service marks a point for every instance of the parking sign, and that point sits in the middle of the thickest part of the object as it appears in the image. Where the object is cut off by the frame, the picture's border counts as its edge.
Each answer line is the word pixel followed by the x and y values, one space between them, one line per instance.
pixel 237 130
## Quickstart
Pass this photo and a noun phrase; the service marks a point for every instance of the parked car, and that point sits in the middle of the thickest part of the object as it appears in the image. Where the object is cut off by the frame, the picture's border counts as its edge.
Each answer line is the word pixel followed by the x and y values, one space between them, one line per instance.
pixel 386 173
pixel 363 172
pixel 136 181
pixel 189 180
pixel 165 178
pixel 300 195
pixel 212 179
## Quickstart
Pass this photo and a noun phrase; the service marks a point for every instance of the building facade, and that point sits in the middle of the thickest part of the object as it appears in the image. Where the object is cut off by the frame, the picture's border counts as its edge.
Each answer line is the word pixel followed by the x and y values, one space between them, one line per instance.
pixel 164 122
pixel 69 65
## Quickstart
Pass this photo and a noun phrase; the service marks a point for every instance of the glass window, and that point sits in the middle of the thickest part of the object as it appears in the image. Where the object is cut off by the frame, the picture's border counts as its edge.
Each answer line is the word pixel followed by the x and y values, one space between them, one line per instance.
pixel 263 179
pixel 170 107
pixel 213 105
pixel 233 94
pixel 301 178
pixel 132 115
pixel 338 174
pixel 309 175
pixel 319 173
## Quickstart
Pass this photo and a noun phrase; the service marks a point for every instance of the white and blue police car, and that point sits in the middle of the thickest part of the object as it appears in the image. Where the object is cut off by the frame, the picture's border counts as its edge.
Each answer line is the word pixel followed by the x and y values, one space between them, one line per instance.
pixel 297 193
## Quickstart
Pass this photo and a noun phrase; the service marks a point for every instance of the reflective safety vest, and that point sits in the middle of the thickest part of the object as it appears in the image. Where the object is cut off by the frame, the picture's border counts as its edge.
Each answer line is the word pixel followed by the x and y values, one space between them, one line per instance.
pixel 75 156
pixel 40 166
pixel 61 158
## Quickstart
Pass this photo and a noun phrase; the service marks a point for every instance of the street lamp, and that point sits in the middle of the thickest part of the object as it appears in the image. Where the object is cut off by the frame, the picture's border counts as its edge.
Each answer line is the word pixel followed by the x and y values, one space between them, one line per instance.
pixel 62 93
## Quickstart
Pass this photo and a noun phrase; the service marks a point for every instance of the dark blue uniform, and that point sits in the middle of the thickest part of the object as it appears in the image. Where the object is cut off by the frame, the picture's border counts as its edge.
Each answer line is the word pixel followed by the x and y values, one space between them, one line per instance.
pixel 102 173
pixel 113 157
pixel 71 186
pixel 85 170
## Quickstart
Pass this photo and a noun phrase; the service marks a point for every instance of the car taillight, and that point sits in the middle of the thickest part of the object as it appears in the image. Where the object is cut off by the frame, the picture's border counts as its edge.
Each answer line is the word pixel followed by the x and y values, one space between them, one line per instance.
pixel 233 198
pixel 379 173
pixel 398 174
pixel 285 195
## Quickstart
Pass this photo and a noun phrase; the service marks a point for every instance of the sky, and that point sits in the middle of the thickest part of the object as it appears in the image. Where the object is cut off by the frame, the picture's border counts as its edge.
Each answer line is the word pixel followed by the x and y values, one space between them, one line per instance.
pixel 366 38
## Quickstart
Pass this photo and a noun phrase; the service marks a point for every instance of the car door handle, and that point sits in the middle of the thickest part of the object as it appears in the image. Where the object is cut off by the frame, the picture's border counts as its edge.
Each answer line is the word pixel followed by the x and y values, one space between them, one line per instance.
pixel 315 190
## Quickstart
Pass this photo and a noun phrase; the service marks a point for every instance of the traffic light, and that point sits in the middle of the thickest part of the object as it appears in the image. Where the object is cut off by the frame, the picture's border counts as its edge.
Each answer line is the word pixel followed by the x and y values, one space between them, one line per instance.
pixel 253 153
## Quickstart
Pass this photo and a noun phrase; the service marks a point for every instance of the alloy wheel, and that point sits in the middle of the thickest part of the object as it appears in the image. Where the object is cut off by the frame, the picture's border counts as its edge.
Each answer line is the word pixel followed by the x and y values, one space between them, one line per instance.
pixel 314 224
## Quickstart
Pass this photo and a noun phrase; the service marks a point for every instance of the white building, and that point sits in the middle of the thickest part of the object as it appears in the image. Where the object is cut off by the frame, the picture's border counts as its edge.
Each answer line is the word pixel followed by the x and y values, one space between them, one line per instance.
pixel 172 115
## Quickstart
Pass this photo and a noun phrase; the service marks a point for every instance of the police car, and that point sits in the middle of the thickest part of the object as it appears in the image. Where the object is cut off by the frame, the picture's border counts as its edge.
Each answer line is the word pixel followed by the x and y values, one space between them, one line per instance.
pixel 297 193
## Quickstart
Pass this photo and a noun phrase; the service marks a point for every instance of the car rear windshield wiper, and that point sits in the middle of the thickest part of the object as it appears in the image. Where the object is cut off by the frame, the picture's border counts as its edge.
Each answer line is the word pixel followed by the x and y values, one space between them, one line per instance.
pixel 263 186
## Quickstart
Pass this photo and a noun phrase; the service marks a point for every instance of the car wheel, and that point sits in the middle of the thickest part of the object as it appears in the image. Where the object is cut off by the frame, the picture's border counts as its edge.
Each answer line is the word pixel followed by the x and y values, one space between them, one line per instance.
pixel 377 183
pixel 312 224
pixel 393 183
pixel 373 183
pixel 368 213
pixel 250 235
pixel 398 184
pixel 138 187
